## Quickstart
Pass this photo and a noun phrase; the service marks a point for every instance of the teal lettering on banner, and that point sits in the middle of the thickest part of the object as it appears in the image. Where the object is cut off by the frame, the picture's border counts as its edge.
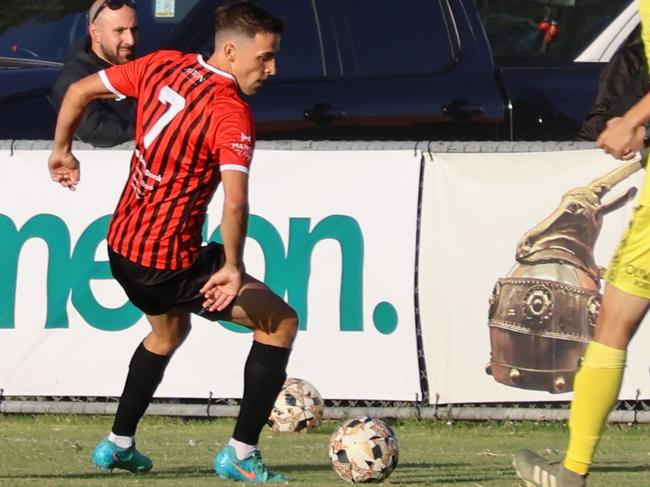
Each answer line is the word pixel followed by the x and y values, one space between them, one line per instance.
pixel 346 231
pixel 270 241
pixel 54 232
pixel 287 274
pixel 85 268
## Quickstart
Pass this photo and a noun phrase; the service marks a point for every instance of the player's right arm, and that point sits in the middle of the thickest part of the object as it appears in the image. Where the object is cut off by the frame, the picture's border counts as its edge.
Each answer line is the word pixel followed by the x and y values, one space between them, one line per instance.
pixel 63 165
pixel 118 82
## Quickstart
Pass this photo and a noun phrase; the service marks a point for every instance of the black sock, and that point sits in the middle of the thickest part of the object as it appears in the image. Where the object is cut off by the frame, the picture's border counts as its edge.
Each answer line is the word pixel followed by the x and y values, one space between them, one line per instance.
pixel 264 374
pixel 146 370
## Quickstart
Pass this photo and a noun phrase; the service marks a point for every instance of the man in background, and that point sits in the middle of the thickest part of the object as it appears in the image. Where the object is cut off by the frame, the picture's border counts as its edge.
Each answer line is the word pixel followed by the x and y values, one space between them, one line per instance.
pixel 621 84
pixel 112 38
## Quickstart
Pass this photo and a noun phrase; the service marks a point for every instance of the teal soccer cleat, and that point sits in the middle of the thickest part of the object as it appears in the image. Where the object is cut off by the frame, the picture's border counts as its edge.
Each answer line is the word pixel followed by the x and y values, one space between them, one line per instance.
pixel 108 456
pixel 251 469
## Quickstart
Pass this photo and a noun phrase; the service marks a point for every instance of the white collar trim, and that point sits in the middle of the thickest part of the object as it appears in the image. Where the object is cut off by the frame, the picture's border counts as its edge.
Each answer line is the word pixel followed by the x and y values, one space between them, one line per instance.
pixel 213 69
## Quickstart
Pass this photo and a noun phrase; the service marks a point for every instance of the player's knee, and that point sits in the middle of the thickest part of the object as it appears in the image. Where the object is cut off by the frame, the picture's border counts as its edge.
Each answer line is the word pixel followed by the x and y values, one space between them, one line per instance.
pixel 284 326
pixel 168 340
pixel 181 334
pixel 291 322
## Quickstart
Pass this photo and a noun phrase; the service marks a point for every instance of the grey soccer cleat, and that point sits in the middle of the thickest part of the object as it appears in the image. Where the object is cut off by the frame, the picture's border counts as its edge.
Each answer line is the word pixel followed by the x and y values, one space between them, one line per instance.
pixel 536 471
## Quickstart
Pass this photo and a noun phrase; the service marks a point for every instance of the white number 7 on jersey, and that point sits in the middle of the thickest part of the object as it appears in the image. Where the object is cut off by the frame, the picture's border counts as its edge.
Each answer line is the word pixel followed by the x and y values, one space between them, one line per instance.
pixel 176 104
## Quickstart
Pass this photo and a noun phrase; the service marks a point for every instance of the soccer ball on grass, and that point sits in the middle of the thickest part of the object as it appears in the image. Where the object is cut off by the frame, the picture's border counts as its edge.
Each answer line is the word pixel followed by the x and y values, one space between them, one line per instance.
pixel 364 449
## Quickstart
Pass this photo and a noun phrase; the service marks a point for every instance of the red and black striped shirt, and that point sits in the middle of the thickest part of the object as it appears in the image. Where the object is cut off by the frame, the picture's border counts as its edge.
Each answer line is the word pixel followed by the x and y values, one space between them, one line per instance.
pixel 191 125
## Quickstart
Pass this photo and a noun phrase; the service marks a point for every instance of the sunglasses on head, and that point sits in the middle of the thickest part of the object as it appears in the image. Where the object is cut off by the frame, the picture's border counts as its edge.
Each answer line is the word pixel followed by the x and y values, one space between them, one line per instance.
pixel 113 5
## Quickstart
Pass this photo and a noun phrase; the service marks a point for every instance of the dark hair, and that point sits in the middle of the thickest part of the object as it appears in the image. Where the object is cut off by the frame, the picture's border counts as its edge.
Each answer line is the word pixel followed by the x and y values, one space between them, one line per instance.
pixel 248 18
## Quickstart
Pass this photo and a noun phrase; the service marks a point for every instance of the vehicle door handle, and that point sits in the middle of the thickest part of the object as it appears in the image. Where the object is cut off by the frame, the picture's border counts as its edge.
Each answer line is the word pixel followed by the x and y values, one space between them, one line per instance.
pixel 323 113
pixel 461 109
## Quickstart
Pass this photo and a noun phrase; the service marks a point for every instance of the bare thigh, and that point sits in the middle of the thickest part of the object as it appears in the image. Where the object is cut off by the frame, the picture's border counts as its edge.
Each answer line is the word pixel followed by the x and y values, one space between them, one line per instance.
pixel 619 318
pixel 257 307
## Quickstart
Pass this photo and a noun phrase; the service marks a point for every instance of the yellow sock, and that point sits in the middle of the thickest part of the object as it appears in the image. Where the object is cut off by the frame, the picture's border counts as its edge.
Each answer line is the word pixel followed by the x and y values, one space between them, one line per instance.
pixel 596 389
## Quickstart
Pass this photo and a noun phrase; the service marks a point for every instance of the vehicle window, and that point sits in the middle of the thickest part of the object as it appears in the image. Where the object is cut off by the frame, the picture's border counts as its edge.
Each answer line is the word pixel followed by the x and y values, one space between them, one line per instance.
pixel 48 30
pixel 300 54
pixel 548 31
pixel 157 20
pixel 39 31
pixel 409 38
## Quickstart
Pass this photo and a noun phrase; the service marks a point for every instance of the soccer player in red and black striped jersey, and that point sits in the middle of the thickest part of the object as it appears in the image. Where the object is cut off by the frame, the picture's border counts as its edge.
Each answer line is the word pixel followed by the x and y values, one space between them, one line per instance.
pixel 193 132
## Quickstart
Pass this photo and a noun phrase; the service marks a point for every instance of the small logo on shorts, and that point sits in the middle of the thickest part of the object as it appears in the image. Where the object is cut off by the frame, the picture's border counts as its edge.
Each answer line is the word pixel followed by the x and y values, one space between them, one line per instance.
pixel 642 276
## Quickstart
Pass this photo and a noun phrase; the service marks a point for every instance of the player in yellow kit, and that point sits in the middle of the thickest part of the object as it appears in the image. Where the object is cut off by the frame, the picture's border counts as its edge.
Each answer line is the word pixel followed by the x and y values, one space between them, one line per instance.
pixel 625 303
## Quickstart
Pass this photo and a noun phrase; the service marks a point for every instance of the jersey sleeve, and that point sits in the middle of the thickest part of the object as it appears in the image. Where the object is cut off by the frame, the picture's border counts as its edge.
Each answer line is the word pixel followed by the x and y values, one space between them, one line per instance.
pixel 235 141
pixel 123 80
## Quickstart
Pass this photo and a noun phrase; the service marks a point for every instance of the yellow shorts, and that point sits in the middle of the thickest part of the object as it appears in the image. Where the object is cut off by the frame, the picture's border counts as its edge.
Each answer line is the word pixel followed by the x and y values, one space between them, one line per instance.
pixel 629 269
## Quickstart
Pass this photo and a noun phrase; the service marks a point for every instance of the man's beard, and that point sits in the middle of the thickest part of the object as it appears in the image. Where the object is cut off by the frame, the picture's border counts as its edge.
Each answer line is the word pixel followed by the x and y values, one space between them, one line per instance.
pixel 116 58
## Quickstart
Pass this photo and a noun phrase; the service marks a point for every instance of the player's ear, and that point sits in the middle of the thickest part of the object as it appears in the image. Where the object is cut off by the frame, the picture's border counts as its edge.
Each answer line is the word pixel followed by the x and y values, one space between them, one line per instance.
pixel 230 50
pixel 93 32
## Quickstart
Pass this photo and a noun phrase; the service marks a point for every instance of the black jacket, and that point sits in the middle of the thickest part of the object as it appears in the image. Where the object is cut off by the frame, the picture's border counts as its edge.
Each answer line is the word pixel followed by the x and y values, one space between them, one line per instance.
pixel 106 122
pixel 622 83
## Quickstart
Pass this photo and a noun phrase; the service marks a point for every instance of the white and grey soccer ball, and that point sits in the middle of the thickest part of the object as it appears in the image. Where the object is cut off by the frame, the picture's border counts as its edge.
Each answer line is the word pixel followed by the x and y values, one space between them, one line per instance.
pixel 364 449
pixel 298 407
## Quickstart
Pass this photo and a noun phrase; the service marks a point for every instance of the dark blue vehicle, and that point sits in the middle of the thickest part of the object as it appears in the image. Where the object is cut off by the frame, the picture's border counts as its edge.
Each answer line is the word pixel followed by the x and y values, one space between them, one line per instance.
pixel 354 69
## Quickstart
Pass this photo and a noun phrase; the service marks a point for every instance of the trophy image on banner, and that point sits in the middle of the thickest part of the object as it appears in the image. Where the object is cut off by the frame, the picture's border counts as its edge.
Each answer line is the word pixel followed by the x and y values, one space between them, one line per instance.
pixel 542 315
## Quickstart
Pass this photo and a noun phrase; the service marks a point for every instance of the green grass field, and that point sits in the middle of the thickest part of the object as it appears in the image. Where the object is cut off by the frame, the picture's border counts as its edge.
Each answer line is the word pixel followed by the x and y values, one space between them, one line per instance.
pixel 54 451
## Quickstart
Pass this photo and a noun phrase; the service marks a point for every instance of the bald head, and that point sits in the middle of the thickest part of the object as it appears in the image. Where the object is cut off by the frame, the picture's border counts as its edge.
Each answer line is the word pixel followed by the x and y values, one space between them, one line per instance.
pixel 92 12
pixel 113 30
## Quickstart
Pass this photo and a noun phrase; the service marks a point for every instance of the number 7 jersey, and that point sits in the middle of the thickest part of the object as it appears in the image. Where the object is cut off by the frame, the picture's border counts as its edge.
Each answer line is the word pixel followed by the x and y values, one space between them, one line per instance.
pixel 191 125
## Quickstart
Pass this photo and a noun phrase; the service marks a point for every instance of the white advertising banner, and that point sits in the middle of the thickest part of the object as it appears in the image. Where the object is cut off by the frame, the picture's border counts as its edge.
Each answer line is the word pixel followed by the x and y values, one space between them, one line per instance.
pixel 333 232
pixel 475 209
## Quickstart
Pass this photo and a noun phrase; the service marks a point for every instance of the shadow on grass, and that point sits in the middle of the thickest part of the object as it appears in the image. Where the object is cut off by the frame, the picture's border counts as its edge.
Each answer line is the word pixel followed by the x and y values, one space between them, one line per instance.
pixel 424 473
pixel 445 473
pixel 410 473
pixel 400 465
pixel 617 467
pixel 406 473
pixel 321 467
pixel 156 473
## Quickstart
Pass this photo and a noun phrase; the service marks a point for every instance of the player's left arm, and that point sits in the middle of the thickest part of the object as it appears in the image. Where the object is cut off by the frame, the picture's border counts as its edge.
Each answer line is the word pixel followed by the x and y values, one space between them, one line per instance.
pixel 233 144
pixel 223 286
pixel 63 165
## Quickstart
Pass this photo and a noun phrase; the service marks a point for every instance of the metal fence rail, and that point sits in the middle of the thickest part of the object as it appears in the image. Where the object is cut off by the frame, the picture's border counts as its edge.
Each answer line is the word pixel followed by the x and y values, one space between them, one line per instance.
pixel 423 145
pixel 626 411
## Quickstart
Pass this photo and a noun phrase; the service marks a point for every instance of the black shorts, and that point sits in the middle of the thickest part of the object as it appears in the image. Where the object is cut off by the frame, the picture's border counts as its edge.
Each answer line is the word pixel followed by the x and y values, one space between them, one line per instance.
pixel 156 291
